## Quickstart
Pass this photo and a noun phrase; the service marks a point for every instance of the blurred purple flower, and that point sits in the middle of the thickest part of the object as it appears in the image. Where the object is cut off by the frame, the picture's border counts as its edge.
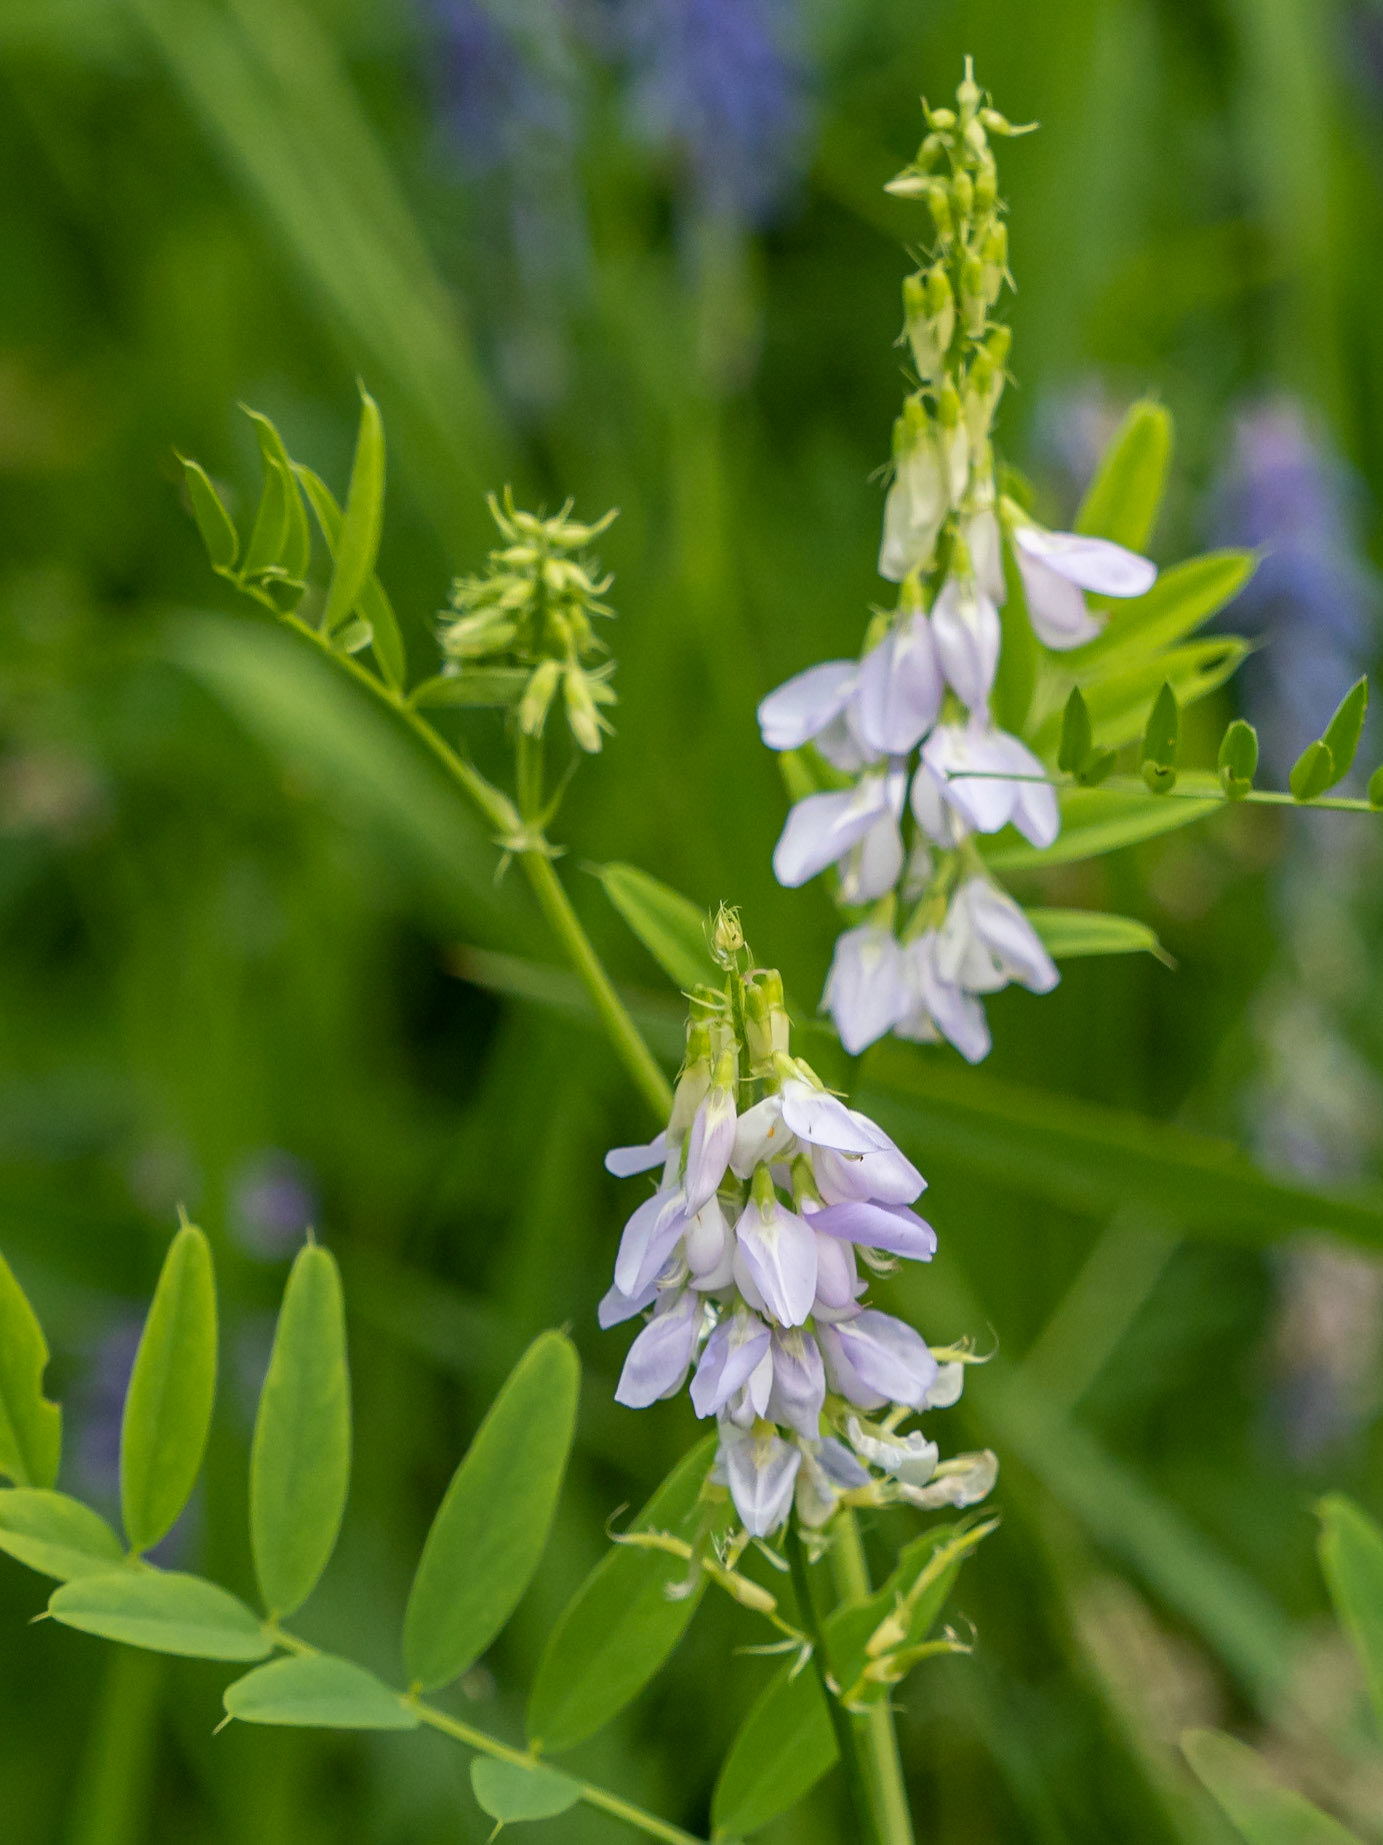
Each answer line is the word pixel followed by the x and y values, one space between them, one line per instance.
pixel 715 83
pixel 1313 598
pixel 273 1199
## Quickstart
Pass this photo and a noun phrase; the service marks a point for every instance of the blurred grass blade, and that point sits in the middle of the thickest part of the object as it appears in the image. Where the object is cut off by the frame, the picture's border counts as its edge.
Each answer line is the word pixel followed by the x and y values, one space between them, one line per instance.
pixel 302 709
pixel 320 1692
pixel 164 1612
pixel 621 1624
pixel 57 1536
pixel 1095 822
pixel 670 926
pixel 213 521
pixel 300 1460
pixel 357 545
pixel 1351 1553
pixel 167 1412
pixel 509 1792
pixel 1259 1808
pixel 372 604
pixel 1123 499
pixel 492 1526
pixel 1069 934
pixel 30 1426
pixel 1097 1159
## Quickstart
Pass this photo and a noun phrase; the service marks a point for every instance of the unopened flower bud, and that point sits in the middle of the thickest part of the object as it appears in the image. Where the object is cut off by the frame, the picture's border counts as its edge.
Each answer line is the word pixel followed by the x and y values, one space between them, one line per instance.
pixel 986 186
pixel 962 194
pixel 998 342
pixel 766 1023
pixel 974 304
pixel 948 406
pixel 930 311
pixel 727 938
pixel 538 695
pixel 582 715
pixel 939 204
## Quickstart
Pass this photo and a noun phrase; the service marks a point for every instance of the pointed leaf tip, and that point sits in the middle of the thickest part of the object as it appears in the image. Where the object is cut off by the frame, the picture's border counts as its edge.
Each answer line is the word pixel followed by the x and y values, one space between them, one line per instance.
pixel 30 1426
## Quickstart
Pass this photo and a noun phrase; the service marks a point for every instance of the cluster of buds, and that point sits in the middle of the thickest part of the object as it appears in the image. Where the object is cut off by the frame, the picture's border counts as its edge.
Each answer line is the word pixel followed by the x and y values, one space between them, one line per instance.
pixel 531 614
pixel 902 753
pixel 747 1259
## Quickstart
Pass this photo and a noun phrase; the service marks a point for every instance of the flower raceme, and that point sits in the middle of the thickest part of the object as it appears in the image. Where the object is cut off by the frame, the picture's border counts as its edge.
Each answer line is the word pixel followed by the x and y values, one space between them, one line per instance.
pixel 746 1260
pixel 911 762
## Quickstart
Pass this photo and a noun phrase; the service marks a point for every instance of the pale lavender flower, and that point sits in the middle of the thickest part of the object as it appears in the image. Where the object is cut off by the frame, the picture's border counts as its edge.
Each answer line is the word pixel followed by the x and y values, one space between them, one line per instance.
pixel 761 1470
pixel 941 1008
pixel 778 1251
pixel 1058 567
pixel 732 1354
pixel 900 689
pixel 273 1200
pixel 801 708
pixel 866 990
pixel 986 940
pixel 875 1359
pixel 890 1227
pixel 965 766
pixel 965 622
pixel 856 828
pixel 661 1356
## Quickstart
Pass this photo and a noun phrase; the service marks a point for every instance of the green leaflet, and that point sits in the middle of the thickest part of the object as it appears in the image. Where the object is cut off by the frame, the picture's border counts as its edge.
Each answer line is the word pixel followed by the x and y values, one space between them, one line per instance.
pixel 300 1461
pixel 357 544
pixel 1096 821
pixel 213 521
pixel 295 551
pixel 1313 772
pixel 57 1536
pixel 318 1691
pixel 164 1612
pixel 1091 1158
pixel 30 1426
pixel 372 604
pixel 472 686
pixel 671 927
pixel 1122 500
pixel 786 1742
pixel 1176 605
pixel 1346 727
pixel 621 1625
pixel 1069 934
pixel 491 1528
pixel 1259 1808
pixel 508 1792
pixel 168 1406
pixel 1237 761
pixel 1351 1553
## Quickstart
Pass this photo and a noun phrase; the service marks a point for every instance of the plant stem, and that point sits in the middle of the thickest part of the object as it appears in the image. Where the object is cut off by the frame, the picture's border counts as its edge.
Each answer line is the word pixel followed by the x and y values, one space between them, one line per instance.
pixel 111 1799
pixel 848 1737
pixel 851 1576
pixel 556 906
pixel 1132 784
pixel 612 1804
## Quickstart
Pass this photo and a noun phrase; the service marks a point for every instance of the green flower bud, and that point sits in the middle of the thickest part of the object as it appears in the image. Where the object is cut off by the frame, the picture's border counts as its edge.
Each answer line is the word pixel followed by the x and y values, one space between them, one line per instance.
pixel 939 203
pixel 766 1024
pixel 537 697
pixel 582 715
pixel 986 186
pixel 963 194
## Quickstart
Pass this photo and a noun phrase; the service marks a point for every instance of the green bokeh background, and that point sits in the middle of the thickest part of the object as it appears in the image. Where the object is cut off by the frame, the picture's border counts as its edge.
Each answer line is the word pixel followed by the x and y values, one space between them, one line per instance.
pixel 223 938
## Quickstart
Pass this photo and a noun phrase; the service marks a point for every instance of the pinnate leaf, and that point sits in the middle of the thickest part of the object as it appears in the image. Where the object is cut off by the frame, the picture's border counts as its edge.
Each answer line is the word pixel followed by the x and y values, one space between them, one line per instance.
pixel 491 1528
pixel 30 1426
pixel 56 1535
pixel 300 1460
pixel 164 1612
pixel 1067 935
pixel 320 1692
pixel 168 1405
pixel 372 604
pixel 1123 499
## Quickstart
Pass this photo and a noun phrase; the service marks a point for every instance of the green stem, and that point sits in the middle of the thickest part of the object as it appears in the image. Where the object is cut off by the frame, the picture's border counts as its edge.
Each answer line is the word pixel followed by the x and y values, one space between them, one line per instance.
pixel 485 1744
pixel 848 1738
pixel 111 1801
pixel 612 1804
pixel 851 1575
pixel 1133 784
pixel 556 906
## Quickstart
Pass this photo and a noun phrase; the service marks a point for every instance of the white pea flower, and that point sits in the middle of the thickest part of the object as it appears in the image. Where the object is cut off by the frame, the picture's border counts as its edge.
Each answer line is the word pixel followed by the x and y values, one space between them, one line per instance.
pixel 941 1008
pixel 917 504
pixel 857 824
pixel 761 1471
pixel 986 940
pixel 965 622
pixel 733 1353
pixel 1058 567
pixel 909 1458
pixel 866 990
pixel 661 1356
pixel 984 542
pixel 801 708
pixel 778 1252
pixel 799 1382
pixel 874 1359
pixel 962 1481
pixel 900 689
pixel 969 765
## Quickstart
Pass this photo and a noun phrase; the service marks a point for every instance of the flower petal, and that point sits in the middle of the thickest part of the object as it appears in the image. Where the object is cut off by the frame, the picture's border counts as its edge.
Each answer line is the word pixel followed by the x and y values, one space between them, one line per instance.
pixel 733 1351
pixel 866 989
pixel 816 1116
pixel 888 1357
pixel 900 689
pixel 890 1227
pixel 659 1357
pixel 799 1383
pixel 624 1162
pixel 966 625
pixel 761 1469
pixel 821 828
pixel 779 1251
pixel 802 708
pixel 1094 563
pixel 648 1240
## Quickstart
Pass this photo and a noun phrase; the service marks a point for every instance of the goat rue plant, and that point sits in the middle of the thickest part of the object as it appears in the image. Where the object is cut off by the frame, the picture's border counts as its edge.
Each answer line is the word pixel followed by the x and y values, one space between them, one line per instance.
pixel 1018 705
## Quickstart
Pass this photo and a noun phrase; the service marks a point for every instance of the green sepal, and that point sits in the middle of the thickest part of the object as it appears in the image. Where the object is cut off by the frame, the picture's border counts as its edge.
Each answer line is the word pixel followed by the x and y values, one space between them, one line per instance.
pixel 1312 772
pixel 1238 759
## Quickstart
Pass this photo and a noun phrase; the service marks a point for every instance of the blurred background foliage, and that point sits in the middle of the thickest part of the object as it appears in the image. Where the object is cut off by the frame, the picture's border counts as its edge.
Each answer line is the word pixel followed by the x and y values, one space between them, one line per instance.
pixel 636 251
